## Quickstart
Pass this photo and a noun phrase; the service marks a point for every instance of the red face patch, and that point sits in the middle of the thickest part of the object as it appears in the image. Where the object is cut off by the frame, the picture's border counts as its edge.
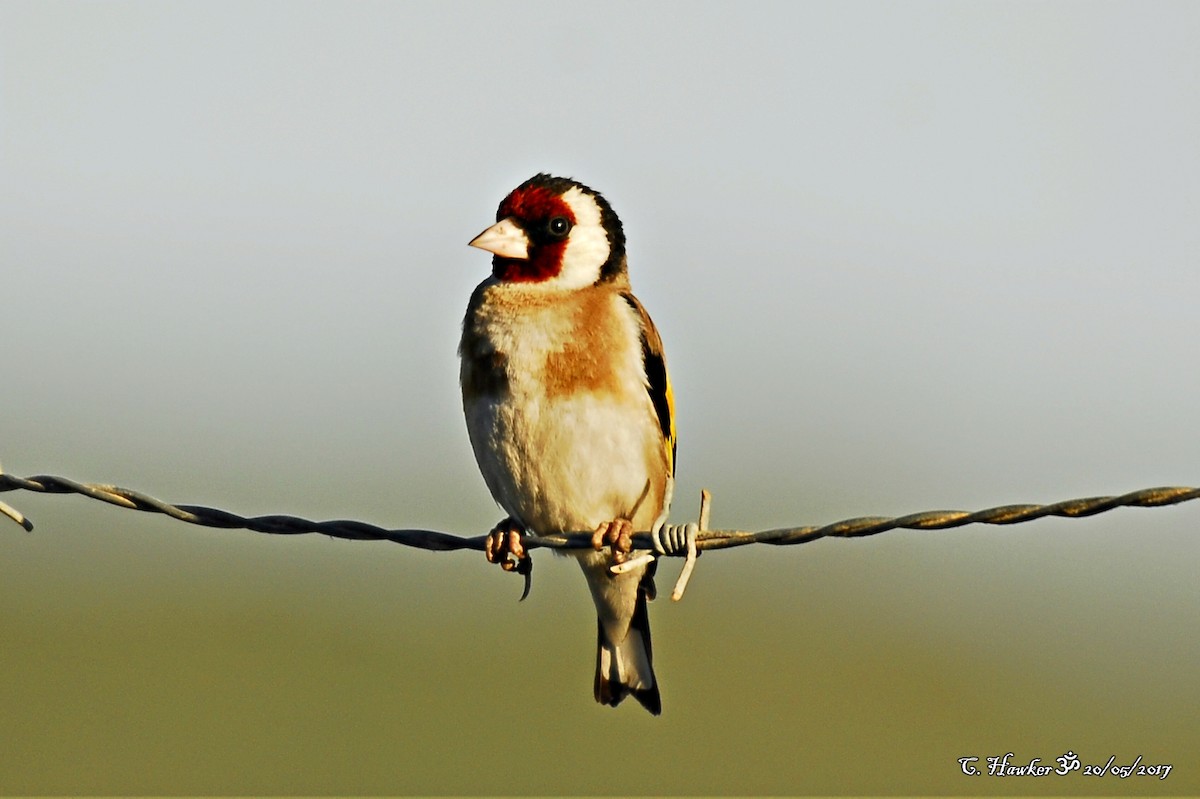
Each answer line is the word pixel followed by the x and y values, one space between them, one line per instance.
pixel 534 203
pixel 532 208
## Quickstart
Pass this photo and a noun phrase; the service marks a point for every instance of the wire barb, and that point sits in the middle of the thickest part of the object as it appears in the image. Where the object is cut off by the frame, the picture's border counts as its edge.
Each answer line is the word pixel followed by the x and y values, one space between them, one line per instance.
pixel 16 516
pixel 691 532
pixel 13 513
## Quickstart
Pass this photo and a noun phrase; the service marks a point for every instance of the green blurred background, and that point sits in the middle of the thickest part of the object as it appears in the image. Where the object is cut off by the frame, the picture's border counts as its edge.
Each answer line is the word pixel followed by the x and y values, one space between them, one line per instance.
pixel 904 257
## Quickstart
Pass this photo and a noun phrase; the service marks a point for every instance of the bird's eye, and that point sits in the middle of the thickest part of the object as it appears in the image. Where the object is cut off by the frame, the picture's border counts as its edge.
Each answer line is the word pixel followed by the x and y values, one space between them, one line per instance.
pixel 558 227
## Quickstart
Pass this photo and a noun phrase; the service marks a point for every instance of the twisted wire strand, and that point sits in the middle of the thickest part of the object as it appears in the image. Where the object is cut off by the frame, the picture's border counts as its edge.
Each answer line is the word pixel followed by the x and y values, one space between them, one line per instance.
pixel 706 539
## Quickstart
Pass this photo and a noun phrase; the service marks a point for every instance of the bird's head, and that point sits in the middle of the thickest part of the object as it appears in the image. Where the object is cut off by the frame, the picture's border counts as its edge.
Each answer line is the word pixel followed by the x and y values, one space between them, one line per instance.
pixel 554 232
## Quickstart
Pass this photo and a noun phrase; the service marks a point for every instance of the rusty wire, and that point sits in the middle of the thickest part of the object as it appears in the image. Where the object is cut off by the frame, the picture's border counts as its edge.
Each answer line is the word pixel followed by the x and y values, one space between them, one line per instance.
pixel 706 539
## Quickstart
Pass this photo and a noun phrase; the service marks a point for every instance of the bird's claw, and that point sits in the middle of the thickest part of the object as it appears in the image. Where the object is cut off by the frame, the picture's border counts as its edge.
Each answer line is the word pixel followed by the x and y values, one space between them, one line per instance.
pixel 617 534
pixel 504 546
pixel 525 569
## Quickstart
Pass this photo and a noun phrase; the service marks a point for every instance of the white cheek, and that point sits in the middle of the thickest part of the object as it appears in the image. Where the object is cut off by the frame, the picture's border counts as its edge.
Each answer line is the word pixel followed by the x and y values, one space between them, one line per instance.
pixel 586 252
pixel 587 248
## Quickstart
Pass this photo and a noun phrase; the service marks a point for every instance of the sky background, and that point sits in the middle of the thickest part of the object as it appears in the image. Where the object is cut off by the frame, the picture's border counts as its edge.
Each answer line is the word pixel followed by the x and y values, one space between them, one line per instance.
pixel 903 256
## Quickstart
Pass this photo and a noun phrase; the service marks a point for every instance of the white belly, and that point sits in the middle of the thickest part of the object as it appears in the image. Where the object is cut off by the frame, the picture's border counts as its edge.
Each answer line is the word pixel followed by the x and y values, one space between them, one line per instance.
pixel 569 463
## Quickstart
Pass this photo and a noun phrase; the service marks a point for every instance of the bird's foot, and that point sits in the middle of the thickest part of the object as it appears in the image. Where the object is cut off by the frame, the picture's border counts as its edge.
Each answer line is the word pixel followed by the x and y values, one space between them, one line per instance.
pixel 504 546
pixel 617 534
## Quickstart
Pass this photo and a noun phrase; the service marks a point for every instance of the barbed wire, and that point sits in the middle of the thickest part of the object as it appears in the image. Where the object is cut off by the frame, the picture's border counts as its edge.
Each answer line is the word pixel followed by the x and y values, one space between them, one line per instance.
pixel 705 539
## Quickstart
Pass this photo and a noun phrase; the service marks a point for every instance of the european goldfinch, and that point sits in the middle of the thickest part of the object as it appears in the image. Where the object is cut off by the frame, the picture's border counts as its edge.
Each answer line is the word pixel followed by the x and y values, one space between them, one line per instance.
pixel 568 406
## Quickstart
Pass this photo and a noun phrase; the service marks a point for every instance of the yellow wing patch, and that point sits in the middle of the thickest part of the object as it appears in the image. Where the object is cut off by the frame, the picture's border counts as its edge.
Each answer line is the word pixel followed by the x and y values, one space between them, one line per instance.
pixel 658 382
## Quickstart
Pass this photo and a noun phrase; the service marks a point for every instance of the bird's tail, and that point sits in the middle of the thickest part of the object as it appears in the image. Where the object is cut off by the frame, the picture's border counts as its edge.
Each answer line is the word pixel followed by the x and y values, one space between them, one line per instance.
pixel 627 667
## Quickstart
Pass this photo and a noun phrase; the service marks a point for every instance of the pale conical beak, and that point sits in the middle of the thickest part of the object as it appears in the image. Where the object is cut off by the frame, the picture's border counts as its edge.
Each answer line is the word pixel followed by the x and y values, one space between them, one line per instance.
pixel 505 238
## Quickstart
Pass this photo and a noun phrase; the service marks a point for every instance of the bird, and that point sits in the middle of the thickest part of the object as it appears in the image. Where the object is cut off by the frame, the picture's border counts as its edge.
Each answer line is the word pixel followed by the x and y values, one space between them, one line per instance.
pixel 569 408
